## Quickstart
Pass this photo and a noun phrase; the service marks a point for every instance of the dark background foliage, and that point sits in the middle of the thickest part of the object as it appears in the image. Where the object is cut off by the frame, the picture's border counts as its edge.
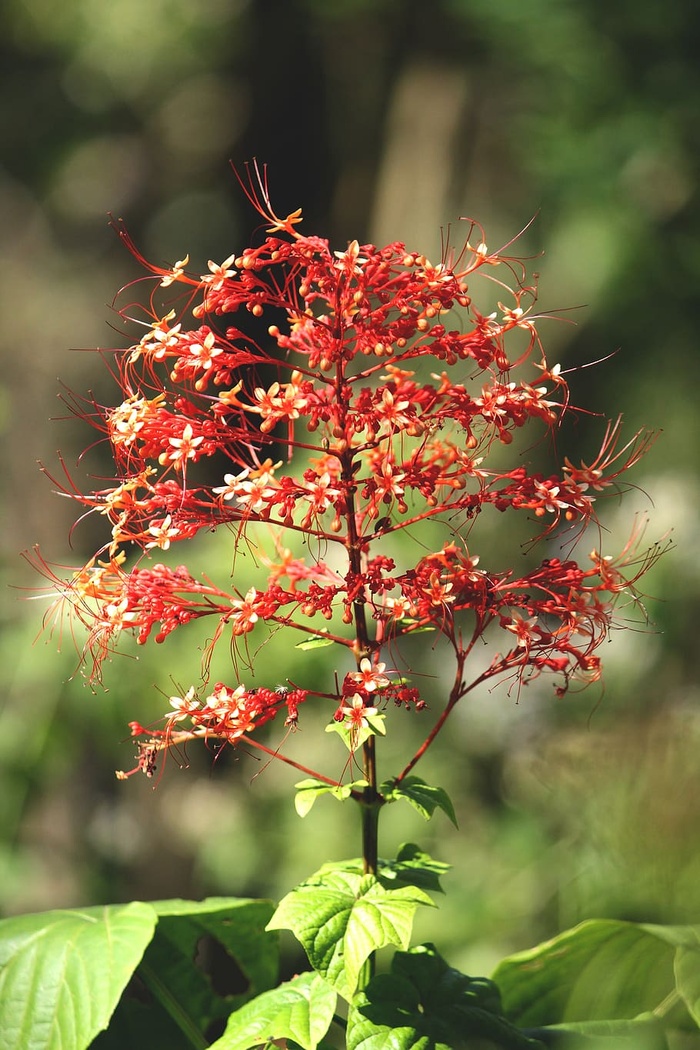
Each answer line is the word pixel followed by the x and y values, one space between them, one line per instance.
pixel 382 120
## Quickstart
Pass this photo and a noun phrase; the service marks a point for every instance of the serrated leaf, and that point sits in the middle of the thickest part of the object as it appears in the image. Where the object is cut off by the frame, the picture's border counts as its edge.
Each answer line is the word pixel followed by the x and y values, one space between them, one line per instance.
pixel 341 917
pixel 412 867
pixel 423 797
pixel 314 643
pixel 601 970
pixel 424 1003
pixel 62 972
pixel 300 1009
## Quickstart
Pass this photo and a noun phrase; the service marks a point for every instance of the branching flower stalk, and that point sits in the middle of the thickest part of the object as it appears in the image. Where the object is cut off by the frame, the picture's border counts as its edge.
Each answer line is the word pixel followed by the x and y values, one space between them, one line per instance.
pixel 397 402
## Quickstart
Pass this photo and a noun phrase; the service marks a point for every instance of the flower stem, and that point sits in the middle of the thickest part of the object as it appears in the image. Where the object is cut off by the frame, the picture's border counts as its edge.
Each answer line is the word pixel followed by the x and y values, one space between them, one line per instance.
pixel 456 693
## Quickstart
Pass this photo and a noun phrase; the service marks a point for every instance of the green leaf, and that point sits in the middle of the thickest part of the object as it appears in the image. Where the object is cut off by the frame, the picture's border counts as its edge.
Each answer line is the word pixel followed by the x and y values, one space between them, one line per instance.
pixel 377 722
pixel 414 867
pixel 239 927
pixel 355 736
pixel 602 970
pixel 205 960
pixel 644 1033
pixel 318 642
pixel 424 1003
pixel 423 797
pixel 687 973
pixel 300 1009
pixel 62 973
pixel 341 917
pixel 407 627
pixel 311 789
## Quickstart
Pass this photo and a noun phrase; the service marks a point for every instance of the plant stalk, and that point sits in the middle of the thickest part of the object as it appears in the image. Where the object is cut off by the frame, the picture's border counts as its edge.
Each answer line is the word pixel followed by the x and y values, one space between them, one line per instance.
pixel 371 803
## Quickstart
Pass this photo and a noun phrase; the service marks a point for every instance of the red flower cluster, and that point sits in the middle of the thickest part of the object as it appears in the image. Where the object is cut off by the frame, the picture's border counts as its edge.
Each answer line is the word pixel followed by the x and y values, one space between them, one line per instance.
pixel 226 714
pixel 391 389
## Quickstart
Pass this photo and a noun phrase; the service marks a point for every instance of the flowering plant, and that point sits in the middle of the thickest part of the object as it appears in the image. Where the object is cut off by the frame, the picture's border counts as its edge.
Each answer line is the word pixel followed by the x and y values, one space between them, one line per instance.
pixel 398 403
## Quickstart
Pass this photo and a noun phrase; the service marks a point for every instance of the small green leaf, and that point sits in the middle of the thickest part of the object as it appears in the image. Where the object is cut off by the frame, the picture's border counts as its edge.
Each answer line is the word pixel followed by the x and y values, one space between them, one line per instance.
pixel 423 797
pixel 62 972
pixel 309 790
pixel 341 917
pixel 377 722
pixel 413 867
pixel 300 1009
pixel 320 642
pixel 407 627
pixel 424 1003
pixel 355 736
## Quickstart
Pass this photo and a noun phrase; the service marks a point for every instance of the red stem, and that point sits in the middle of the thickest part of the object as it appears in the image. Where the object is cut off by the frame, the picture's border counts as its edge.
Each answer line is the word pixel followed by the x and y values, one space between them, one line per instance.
pixel 290 762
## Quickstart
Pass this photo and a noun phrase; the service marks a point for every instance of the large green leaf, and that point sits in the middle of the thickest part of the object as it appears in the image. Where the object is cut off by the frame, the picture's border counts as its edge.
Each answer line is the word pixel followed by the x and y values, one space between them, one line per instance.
pixel 645 1033
pixel 687 971
pixel 165 974
pixel 604 970
pixel 424 1004
pixel 62 973
pixel 237 924
pixel 206 959
pixel 341 917
pixel 301 1009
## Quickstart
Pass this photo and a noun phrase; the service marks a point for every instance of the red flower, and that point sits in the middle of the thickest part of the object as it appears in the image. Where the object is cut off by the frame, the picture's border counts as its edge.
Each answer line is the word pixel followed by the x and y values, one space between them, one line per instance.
pixel 371 385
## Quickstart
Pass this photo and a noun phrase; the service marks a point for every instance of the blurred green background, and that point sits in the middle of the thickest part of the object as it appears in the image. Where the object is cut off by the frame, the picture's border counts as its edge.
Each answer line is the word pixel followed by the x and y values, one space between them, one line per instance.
pixel 383 119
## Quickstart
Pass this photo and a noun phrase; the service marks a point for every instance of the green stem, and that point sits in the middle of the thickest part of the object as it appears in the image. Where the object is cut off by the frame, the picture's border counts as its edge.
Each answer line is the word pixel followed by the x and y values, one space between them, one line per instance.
pixel 370 799
pixel 370 810
pixel 370 804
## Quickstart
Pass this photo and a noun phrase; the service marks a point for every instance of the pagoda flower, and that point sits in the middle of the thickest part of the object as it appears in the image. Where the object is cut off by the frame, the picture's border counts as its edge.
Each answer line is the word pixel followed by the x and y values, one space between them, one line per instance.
pixel 369 678
pixel 354 427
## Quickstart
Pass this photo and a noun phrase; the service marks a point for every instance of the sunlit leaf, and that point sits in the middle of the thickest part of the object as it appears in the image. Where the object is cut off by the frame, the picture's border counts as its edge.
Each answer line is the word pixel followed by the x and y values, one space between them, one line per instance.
pixel 341 917
pixel 307 791
pixel 300 1009
pixel 314 643
pixel 355 736
pixel 62 973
